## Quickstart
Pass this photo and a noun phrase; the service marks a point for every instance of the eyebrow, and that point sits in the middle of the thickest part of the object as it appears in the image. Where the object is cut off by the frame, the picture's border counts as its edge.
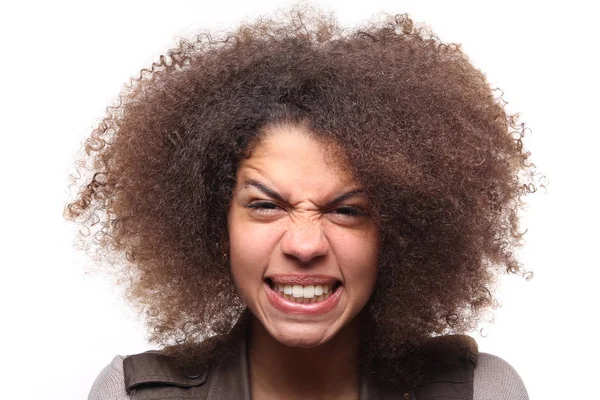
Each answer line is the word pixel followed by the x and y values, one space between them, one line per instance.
pixel 276 196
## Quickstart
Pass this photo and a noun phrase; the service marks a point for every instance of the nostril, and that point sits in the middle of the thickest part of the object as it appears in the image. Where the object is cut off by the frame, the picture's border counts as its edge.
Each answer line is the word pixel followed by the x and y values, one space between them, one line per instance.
pixel 303 246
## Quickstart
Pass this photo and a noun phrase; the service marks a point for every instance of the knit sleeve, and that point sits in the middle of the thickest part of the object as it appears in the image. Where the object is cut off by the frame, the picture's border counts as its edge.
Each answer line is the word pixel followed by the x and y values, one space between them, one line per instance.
pixel 495 379
pixel 110 383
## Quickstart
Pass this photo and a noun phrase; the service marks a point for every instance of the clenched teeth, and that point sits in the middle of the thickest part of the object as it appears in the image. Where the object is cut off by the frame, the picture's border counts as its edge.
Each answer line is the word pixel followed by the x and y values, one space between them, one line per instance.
pixel 303 294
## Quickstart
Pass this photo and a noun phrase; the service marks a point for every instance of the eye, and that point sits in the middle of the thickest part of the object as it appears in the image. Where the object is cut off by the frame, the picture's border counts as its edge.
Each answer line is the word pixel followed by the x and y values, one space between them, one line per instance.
pixel 348 211
pixel 263 207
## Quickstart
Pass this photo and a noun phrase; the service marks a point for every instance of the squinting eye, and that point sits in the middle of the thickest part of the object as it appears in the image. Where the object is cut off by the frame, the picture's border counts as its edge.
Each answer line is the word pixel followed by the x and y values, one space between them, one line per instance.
pixel 263 207
pixel 348 211
pixel 269 206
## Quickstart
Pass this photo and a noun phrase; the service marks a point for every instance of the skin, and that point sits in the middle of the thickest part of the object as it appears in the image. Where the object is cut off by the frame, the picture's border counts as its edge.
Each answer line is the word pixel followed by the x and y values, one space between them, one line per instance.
pixel 300 231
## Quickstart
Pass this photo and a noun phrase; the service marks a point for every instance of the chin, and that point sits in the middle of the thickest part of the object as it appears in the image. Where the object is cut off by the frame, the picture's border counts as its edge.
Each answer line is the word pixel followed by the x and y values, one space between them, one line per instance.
pixel 303 342
pixel 301 336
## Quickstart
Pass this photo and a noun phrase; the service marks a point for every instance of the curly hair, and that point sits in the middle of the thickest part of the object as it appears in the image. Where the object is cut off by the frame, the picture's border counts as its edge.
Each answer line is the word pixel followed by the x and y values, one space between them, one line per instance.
pixel 442 163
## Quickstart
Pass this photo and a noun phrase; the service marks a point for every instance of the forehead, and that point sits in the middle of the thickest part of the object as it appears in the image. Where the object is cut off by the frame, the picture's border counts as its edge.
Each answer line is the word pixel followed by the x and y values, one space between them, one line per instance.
pixel 292 161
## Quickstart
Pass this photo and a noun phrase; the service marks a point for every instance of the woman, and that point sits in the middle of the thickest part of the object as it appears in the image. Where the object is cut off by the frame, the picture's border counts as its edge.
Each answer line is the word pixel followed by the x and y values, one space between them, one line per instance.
pixel 308 212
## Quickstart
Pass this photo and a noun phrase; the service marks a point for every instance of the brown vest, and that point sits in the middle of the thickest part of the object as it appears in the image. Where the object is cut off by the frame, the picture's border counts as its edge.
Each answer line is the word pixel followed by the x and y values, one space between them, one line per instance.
pixel 451 362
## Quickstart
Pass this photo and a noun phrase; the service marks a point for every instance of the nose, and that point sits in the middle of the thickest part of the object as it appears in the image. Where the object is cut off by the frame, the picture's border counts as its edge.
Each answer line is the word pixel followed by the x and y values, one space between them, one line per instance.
pixel 305 241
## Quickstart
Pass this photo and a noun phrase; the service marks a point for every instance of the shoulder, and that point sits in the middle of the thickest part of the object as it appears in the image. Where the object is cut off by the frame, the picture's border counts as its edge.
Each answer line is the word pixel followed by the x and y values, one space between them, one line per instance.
pixel 456 358
pixel 110 383
pixel 495 379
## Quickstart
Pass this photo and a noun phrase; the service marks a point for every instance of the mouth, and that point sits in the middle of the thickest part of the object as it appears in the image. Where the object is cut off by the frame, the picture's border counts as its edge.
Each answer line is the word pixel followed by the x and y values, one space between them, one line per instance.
pixel 309 296
pixel 303 294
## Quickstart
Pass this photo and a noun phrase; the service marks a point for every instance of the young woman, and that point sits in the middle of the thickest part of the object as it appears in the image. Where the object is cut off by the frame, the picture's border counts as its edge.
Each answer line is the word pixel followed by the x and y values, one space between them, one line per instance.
pixel 309 213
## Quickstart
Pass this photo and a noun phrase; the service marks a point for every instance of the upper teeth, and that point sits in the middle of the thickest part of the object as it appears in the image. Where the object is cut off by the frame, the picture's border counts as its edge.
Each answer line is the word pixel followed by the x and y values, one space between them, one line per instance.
pixel 308 292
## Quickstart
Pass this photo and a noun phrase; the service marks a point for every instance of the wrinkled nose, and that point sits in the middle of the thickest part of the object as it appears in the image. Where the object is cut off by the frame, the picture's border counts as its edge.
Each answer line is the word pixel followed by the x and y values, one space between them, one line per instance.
pixel 305 241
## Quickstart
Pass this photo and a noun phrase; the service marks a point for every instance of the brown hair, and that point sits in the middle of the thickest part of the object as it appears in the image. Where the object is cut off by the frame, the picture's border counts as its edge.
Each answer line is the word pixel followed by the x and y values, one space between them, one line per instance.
pixel 441 160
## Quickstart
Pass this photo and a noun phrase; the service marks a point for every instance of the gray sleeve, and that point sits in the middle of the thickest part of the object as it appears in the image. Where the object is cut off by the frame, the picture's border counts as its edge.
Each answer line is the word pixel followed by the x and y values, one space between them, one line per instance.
pixel 495 379
pixel 110 383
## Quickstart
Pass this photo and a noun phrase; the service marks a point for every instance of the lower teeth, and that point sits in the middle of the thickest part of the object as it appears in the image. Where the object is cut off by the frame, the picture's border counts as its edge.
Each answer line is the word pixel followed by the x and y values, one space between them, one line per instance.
pixel 303 300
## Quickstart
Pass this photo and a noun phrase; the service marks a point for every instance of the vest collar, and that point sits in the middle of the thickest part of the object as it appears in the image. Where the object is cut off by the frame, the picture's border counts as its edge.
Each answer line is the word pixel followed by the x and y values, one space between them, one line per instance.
pixel 231 380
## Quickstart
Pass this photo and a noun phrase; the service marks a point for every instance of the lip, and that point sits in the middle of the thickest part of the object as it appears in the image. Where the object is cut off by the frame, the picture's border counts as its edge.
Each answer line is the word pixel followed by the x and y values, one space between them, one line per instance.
pixel 302 279
pixel 291 307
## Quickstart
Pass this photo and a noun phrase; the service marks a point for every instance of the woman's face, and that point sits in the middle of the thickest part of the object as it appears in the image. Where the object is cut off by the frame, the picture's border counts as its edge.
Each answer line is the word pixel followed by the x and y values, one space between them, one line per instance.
pixel 303 247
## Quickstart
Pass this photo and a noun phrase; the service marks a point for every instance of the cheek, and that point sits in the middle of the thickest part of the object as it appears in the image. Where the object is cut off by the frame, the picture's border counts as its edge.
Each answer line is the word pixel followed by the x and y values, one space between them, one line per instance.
pixel 364 268
pixel 358 257
pixel 250 249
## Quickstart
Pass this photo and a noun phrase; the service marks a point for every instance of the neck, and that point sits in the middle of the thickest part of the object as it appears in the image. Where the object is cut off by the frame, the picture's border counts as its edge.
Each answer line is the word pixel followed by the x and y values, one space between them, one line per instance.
pixel 329 371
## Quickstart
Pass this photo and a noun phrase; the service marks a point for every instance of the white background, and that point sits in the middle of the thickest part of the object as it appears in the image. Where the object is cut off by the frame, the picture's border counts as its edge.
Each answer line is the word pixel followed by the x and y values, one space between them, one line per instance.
pixel 63 62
